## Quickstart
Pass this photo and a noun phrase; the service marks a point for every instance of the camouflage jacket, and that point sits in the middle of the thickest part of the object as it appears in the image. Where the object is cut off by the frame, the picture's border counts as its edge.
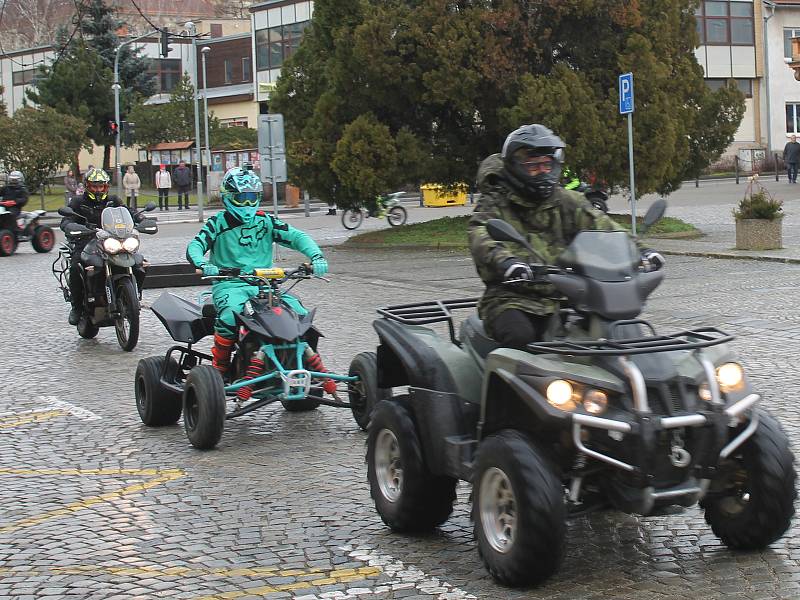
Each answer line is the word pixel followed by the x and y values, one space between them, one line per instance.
pixel 549 227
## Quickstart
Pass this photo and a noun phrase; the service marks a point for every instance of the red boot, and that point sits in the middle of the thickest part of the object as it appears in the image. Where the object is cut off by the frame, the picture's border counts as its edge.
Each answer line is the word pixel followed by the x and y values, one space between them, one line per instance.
pixel 221 351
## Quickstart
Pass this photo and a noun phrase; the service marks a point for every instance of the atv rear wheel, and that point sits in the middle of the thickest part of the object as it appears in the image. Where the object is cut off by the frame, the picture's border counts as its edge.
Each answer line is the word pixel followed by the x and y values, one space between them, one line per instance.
pixel 204 407
pixel 8 242
pixel 407 496
pixel 754 504
pixel 365 394
pixel 518 510
pixel 43 239
pixel 157 405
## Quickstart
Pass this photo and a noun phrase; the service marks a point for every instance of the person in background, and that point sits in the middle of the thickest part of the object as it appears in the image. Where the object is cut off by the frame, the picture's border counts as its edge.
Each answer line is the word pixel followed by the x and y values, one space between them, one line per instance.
pixel 183 181
pixel 791 156
pixel 163 183
pixel 70 186
pixel 132 184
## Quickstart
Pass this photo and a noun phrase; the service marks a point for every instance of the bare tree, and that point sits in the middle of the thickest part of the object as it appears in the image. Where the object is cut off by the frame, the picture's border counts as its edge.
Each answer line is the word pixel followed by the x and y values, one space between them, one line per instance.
pixel 29 23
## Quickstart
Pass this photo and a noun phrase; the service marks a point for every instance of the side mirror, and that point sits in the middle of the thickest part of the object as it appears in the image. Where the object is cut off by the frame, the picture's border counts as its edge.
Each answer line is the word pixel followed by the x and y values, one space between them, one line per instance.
pixel 149 206
pixel 503 232
pixel 66 211
pixel 654 213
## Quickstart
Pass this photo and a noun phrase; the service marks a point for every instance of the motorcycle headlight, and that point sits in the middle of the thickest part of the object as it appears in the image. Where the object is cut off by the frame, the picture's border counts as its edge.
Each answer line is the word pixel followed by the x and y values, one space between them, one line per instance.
pixel 131 244
pixel 730 377
pixel 561 394
pixel 112 245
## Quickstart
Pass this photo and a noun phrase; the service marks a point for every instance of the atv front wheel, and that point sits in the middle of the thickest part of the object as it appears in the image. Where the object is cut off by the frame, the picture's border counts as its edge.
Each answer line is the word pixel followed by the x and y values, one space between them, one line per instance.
pixel 407 496
pixel 310 402
pixel 365 394
pixel 8 242
pixel 157 405
pixel 204 407
pixel 751 503
pixel 518 510
pixel 43 239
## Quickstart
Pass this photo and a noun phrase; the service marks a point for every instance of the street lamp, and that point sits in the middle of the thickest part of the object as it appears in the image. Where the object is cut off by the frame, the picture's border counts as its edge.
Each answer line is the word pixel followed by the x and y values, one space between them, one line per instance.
pixel 116 88
pixel 191 27
pixel 204 52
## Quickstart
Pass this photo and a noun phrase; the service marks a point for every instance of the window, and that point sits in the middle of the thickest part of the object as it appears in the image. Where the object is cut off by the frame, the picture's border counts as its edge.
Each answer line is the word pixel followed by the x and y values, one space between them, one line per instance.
pixel 276 44
pixel 725 22
pixel 788 34
pixel 745 85
pixel 167 73
pixel 793 118
pixel 234 122
pixel 247 68
pixel 228 71
pixel 23 77
pixel 216 30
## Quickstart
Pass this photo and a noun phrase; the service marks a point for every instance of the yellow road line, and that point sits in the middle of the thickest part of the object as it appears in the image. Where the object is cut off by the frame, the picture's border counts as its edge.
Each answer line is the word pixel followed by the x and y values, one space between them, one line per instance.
pixel 158 477
pixel 34 417
pixel 336 576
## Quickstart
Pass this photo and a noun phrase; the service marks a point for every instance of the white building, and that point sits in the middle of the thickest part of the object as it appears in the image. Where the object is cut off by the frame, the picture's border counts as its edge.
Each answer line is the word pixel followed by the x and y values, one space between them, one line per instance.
pixel 782 102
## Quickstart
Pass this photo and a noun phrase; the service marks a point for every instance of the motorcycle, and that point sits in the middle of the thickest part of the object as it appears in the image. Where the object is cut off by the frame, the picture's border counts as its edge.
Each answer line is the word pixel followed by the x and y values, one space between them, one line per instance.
pixel 387 206
pixel 111 270
pixel 25 228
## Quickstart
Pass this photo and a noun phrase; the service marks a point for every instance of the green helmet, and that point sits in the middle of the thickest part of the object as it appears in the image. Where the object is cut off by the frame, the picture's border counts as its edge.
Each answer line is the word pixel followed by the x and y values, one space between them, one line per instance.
pixel 241 193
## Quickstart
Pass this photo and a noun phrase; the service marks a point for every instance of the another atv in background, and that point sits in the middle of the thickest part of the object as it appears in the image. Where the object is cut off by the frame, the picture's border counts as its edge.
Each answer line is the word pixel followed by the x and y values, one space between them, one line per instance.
pixel 595 194
pixel 275 360
pixel 604 412
pixel 26 228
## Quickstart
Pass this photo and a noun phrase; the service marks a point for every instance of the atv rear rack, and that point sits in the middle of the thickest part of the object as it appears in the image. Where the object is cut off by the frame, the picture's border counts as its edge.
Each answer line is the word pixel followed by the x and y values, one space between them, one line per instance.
pixel 689 339
pixel 423 313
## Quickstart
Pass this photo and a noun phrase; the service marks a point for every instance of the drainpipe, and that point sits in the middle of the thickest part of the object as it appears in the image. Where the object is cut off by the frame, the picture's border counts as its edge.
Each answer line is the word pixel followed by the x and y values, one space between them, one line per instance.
pixel 771 5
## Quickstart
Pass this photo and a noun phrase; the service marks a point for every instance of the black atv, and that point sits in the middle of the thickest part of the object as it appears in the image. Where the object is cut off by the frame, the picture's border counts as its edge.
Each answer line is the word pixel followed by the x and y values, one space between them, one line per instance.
pixel 604 412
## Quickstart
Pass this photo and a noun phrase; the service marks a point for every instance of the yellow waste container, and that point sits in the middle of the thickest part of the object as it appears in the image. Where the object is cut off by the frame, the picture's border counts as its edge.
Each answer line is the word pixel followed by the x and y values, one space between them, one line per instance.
pixel 434 194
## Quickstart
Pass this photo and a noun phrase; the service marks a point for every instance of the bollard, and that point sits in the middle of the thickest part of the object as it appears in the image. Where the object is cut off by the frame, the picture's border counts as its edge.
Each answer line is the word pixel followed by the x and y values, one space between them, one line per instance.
pixel 736 166
pixel 776 166
pixel 697 182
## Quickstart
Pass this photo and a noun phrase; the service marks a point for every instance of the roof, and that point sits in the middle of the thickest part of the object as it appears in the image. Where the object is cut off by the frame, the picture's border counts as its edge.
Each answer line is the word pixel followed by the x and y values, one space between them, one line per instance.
pixel 269 3
pixel 171 146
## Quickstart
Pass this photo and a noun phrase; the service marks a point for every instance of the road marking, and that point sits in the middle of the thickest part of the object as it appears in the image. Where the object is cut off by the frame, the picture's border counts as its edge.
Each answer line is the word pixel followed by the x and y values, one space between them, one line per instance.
pixel 158 477
pixel 34 416
pixel 77 411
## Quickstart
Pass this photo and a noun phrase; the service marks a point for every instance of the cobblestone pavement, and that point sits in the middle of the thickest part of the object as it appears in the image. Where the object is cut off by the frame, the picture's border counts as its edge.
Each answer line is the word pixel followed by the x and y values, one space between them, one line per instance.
pixel 95 505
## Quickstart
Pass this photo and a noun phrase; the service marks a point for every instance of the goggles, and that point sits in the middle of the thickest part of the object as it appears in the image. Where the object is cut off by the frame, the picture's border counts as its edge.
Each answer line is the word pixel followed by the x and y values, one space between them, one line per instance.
pixel 534 165
pixel 246 198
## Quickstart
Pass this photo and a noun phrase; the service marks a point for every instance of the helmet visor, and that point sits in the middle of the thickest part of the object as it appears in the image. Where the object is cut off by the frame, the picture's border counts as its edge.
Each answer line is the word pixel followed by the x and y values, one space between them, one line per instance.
pixel 97 187
pixel 245 198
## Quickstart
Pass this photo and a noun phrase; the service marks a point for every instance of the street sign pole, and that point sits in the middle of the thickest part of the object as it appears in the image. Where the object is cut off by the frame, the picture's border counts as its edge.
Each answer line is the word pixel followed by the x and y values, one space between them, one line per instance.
pixel 272 151
pixel 626 108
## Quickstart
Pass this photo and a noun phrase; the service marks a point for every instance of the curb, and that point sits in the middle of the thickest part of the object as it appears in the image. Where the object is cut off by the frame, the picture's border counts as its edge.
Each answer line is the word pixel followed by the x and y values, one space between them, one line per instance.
pixel 727 255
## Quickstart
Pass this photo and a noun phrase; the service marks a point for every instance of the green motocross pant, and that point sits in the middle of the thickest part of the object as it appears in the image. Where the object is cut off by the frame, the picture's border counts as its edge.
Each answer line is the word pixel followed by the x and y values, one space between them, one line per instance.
pixel 229 297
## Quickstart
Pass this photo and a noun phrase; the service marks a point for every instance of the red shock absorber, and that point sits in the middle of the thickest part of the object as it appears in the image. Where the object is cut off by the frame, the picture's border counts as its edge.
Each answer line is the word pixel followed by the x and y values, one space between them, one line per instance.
pixel 255 369
pixel 314 363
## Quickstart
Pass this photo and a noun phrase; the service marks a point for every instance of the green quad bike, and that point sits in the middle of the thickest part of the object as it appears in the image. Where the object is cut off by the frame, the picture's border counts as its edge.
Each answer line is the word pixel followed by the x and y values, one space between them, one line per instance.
pixel 605 412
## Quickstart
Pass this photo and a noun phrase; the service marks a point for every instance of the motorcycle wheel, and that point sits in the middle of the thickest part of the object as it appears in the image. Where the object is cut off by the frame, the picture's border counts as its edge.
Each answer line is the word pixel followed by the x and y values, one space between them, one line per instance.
pixel 352 219
pixel 86 329
pixel 127 324
pixel 8 242
pixel 204 407
pixel 397 216
pixel 43 239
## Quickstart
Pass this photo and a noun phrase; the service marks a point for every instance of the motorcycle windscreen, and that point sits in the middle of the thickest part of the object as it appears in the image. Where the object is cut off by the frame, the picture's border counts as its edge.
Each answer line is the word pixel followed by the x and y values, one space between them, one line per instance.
pixel 117 221
pixel 602 255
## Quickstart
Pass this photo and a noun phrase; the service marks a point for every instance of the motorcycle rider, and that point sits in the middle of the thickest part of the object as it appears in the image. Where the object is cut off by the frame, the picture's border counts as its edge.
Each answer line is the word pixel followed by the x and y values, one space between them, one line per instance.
pixel 241 237
pixel 14 194
pixel 520 186
pixel 89 206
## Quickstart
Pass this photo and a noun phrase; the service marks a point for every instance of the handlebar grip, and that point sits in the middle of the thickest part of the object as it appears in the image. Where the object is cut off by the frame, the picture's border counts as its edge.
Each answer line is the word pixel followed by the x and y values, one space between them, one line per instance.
pixel 232 272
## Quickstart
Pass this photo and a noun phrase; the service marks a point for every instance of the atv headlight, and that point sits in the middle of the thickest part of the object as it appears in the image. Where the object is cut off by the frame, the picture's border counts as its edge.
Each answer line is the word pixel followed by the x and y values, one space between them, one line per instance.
pixel 595 402
pixel 704 391
pixel 112 245
pixel 730 377
pixel 131 244
pixel 561 394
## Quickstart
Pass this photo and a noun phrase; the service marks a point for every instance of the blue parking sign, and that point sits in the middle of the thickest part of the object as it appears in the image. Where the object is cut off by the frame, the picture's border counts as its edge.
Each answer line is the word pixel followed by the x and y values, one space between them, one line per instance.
pixel 626 93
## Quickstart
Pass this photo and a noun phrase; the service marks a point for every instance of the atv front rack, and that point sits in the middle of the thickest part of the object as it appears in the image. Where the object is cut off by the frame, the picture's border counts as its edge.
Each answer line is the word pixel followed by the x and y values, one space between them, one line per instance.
pixel 689 339
pixel 423 313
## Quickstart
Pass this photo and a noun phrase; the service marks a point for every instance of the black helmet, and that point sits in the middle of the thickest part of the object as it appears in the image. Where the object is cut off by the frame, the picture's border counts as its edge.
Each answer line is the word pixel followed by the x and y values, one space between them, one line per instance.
pixel 529 144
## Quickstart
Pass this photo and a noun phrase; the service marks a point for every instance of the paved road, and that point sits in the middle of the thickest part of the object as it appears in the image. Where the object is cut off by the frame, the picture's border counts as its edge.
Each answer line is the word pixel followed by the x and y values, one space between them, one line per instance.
pixel 97 506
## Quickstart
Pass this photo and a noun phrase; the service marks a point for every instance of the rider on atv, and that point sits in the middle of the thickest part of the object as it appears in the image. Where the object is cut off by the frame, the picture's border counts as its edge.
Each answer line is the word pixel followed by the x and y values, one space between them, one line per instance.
pixel 241 237
pixel 14 195
pixel 520 186
pixel 88 209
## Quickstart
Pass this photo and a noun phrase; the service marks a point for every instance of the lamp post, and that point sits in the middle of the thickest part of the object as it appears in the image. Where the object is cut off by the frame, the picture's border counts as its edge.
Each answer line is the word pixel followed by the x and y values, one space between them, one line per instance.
pixel 116 88
pixel 204 52
pixel 197 133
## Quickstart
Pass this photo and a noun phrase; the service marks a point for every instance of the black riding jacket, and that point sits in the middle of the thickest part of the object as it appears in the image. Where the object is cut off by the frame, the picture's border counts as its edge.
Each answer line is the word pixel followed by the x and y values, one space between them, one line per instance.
pixel 17 193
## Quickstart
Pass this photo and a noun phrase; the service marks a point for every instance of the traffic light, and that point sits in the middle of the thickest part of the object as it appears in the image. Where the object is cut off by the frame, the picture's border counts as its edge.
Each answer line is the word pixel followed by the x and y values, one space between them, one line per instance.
pixel 128 132
pixel 113 129
pixel 165 48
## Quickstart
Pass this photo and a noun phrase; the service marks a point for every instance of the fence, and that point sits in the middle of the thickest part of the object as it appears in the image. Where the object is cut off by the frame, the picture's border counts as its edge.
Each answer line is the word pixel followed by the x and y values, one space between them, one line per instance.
pixel 759 163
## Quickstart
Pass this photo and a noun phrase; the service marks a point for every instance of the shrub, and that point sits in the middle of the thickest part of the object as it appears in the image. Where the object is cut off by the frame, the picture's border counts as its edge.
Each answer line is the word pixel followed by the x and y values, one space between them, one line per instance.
pixel 758 204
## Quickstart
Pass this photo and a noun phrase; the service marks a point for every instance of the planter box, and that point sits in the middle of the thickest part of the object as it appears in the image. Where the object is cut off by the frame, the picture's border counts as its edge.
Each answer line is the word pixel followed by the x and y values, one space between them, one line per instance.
pixel 759 234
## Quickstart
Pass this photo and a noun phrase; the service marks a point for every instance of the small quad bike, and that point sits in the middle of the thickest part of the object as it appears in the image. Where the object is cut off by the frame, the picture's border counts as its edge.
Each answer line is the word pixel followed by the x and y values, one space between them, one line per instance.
pixel 25 228
pixel 605 412
pixel 274 360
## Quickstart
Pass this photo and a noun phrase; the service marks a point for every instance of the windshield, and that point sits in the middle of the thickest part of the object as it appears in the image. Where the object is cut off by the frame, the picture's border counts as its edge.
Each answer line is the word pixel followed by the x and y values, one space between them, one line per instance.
pixel 602 255
pixel 117 221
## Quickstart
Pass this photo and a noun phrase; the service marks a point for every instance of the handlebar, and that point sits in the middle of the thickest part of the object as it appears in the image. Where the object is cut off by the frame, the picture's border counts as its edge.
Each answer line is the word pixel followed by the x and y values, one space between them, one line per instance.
pixel 265 275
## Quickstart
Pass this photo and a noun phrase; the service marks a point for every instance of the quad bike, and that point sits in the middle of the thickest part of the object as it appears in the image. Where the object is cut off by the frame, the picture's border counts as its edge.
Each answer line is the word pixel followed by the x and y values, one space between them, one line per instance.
pixel 111 271
pixel 25 228
pixel 604 412
pixel 275 360
pixel 385 206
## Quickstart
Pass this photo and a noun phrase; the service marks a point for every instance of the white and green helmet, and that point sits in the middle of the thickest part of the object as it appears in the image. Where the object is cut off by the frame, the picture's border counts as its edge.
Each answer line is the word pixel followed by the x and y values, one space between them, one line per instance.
pixel 241 192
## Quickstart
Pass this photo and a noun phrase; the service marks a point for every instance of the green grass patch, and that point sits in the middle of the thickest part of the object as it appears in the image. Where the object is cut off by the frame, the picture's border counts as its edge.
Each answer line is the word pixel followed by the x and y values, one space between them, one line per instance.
pixel 452 232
